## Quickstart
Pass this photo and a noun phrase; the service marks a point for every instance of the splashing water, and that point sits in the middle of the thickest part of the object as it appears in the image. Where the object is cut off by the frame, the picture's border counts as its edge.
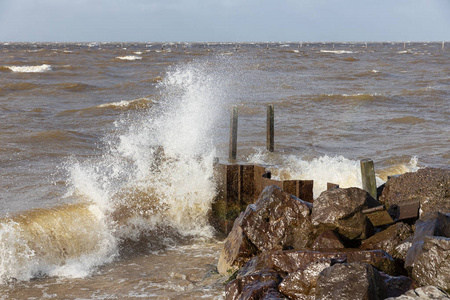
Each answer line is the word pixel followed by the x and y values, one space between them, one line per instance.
pixel 153 179
pixel 338 169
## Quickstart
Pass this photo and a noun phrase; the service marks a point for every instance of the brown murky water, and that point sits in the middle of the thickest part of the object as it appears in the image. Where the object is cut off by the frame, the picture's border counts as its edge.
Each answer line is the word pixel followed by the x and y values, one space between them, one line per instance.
pixel 89 211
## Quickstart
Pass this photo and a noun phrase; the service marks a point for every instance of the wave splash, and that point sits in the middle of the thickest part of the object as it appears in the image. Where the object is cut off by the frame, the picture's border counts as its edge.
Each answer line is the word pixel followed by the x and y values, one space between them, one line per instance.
pixel 150 186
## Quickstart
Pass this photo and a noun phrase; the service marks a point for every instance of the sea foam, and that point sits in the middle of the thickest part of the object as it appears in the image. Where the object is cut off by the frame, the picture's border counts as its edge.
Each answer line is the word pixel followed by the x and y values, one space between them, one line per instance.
pixel 30 69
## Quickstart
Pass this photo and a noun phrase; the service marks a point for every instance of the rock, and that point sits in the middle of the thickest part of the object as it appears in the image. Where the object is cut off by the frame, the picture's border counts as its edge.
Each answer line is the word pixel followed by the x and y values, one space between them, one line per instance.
pixel 432 265
pixel 389 239
pixel 402 249
pixel 259 285
pixel 432 224
pixel 396 285
pixel 327 240
pixel 430 187
pixel 286 262
pixel 350 281
pixel 423 293
pixel 236 251
pixel 278 221
pixel 341 210
pixel 301 284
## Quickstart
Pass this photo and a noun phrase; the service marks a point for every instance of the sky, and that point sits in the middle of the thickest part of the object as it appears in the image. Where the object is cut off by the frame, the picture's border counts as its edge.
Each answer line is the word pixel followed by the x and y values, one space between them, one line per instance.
pixel 223 20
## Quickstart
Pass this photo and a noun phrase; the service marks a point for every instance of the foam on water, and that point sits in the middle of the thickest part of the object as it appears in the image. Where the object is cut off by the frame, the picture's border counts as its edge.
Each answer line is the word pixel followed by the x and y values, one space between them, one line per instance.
pixel 337 169
pixel 129 57
pixel 337 51
pixel 30 69
pixel 153 178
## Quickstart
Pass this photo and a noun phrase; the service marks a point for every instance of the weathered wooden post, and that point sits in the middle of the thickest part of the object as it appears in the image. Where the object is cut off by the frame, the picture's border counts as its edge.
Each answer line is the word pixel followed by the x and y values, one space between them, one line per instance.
pixel 233 133
pixel 270 128
pixel 368 177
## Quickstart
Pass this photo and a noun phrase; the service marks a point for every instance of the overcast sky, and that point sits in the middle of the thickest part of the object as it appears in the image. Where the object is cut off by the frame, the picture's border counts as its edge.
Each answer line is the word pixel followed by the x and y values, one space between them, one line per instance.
pixel 224 20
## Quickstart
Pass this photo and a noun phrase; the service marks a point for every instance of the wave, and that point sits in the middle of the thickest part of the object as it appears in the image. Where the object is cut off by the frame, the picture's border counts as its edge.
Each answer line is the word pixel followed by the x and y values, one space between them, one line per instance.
pixel 151 186
pixel 67 241
pixel 129 57
pixel 30 69
pixel 337 51
pixel 338 169
pixel 410 120
pixel 359 97
pixel 75 87
pixel 22 86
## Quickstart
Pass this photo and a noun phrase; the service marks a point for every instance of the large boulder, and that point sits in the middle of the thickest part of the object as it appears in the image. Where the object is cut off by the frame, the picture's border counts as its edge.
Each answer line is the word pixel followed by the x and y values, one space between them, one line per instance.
pixel 432 224
pixel 327 240
pixel 259 285
pixel 423 293
pixel 389 239
pixel 278 221
pixel 430 187
pixel 236 251
pixel 301 284
pixel 286 262
pixel 350 281
pixel 341 210
pixel 432 265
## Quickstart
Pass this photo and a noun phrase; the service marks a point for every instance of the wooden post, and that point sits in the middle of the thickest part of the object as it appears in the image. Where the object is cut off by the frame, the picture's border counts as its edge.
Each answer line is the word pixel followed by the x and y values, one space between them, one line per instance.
pixel 368 177
pixel 270 128
pixel 443 43
pixel 233 133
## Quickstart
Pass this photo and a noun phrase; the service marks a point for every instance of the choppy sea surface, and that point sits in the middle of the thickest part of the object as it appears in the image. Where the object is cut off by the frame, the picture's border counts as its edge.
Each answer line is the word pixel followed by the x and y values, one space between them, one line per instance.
pixel 89 210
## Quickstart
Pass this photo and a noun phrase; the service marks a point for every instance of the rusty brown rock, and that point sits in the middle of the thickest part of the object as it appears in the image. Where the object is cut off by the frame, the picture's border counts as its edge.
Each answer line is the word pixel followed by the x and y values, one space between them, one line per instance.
pixel 432 265
pixel 278 221
pixel 301 284
pixel 236 251
pixel 254 286
pixel 341 210
pixel 389 239
pixel 430 187
pixel 286 262
pixel 327 240
pixel 350 281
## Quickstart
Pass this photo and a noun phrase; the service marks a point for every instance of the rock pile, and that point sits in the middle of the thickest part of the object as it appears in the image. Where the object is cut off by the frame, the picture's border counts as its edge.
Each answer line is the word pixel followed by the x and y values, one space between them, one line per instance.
pixel 282 247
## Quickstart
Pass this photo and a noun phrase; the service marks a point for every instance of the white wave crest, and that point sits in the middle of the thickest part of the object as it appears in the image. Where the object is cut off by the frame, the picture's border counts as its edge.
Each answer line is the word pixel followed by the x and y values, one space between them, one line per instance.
pixel 30 69
pixel 336 51
pixel 129 57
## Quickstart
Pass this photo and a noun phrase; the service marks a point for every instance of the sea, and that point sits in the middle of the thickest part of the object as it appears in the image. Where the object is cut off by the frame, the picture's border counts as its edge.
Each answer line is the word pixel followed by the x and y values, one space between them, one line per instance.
pixel 107 149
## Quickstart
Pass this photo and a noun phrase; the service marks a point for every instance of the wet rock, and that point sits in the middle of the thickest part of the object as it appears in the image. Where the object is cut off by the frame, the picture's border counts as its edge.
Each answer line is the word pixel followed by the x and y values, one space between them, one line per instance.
pixel 327 240
pixel 423 293
pixel 432 224
pixel 350 281
pixel 432 265
pixel 389 239
pixel 341 210
pixel 278 221
pixel 236 251
pixel 259 285
pixel 286 262
pixel 430 187
pixel 301 284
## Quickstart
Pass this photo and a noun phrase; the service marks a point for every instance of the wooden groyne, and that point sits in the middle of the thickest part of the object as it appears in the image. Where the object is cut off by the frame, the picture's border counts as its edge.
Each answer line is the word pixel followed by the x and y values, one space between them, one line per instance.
pixel 240 184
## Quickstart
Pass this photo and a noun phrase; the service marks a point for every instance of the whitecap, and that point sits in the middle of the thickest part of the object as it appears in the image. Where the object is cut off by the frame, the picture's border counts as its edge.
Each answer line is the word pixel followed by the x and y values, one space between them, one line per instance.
pixel 30 69
pixel 129 57
pixel 336 51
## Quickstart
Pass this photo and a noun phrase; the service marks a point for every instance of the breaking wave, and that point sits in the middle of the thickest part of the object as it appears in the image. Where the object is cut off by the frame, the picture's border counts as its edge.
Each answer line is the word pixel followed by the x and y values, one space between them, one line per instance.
pixel 30 69
pixel 151 185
